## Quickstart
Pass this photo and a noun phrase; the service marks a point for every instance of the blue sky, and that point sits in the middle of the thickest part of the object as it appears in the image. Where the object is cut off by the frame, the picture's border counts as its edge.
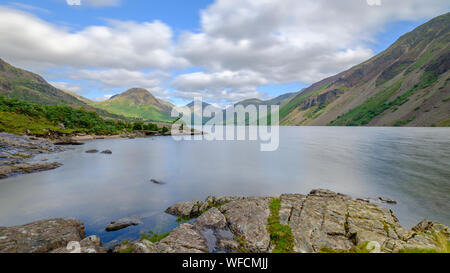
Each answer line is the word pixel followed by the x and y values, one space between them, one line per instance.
pixel 222 50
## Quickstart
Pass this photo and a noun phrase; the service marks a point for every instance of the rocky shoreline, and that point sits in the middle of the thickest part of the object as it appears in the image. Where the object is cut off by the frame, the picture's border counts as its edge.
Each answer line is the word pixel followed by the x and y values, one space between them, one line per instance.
pixel 17 154
pixel 321 221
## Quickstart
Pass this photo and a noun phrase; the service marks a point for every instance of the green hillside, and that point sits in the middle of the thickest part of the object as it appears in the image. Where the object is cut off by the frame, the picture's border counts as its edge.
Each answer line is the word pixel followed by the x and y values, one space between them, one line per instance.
pixel 20 84
pixel 405 85
pixel 137 103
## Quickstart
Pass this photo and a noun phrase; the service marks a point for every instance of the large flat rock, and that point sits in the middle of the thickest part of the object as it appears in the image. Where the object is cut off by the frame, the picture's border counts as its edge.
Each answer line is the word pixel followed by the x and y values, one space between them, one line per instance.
pixel 41 236
pixel 320 220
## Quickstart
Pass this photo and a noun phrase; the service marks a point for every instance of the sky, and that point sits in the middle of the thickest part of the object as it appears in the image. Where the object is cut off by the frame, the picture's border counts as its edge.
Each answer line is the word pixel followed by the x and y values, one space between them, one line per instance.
pixel 221 50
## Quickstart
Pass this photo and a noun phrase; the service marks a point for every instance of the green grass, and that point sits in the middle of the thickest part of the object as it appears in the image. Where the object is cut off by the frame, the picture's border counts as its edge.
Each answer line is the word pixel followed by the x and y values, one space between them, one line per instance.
pixel 361 248
pixel 446 100
pixel 371 108
pixel 378 103
pixel 422 60
pixel 280 235
pixel 18 124
pixel 211 204
pixel 124 108
pixel 403 122
pixel 284 111
pixel 18 116
pixel 154 237
pixel 445 123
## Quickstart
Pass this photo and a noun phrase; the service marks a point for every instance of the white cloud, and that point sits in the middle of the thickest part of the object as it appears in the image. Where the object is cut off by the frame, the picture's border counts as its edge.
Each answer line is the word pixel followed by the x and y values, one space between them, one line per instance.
pixel 94 3
pixel 290 40
pixel 122 79
pixel 32 42
pixel 67 86
pixel 103 98
pixel 229 85
pixel 241 45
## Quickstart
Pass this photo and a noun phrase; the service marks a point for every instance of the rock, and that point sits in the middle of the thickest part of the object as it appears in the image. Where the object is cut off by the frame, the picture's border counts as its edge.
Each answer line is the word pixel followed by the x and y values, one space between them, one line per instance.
pixel 229 245
pixel 247 219
pixel 140 246
pixel 22 168
pixel 91 244
pixel 68 141
pixel 123 223
pixel 427 226
pixel 93 151
pixel 319 221
pixel 387 200
pixel 61 126
pixel 41 236
pixel 189 209
pixel 157 182
pixel 107 152
pixel 212 218
pixel 185 238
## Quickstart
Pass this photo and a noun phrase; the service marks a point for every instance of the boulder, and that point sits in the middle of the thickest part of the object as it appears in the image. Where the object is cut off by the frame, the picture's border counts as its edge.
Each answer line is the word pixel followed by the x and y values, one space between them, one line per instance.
pixel 247 219
pixel 212 218
pixel 189 209
pixel 108 152
pixel 41 236
pixel 91 244
pixel 185 238
pixel 93 151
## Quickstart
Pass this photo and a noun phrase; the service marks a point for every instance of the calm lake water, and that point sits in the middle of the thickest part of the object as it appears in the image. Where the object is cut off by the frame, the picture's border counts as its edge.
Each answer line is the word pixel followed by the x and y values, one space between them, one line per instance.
pixel 410 165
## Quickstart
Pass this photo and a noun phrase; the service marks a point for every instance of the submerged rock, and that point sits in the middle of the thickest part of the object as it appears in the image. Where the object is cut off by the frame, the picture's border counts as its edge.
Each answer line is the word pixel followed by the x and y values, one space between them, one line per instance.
pixel 93 151
pixel 123 223
pixel 387 200
pixel 154 181
pixel 107 152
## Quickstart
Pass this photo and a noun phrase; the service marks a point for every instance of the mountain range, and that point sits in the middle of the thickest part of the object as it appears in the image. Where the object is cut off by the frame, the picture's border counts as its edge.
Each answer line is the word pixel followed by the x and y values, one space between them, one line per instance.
pixel 405 85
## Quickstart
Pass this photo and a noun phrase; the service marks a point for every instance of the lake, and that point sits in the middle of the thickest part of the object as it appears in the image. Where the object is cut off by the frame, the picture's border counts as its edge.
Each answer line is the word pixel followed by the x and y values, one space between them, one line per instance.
pixel 410 165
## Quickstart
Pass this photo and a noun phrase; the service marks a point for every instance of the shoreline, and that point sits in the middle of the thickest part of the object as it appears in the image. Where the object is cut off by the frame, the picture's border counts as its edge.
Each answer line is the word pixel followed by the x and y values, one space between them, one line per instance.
pixel 17 152
pixel 319 222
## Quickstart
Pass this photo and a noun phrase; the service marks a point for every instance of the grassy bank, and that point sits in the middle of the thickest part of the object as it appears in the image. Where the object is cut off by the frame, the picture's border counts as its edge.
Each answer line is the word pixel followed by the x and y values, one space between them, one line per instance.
pixel 18 116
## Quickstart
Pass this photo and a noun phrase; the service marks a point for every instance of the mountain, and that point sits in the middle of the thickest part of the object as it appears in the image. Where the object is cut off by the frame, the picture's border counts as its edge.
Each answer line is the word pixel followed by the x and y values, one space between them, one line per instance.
pixel 20 84
pixel 191 105
pixel 137 103
pixel 405 85
pixel 16 83
pixel 280 100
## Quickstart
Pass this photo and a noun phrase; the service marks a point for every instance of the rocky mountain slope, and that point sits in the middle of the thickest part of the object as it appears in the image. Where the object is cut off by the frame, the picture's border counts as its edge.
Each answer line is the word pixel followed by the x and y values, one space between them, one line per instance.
pixel 137 103
pixel 21 84
pixel 406 85
pixel 16 83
